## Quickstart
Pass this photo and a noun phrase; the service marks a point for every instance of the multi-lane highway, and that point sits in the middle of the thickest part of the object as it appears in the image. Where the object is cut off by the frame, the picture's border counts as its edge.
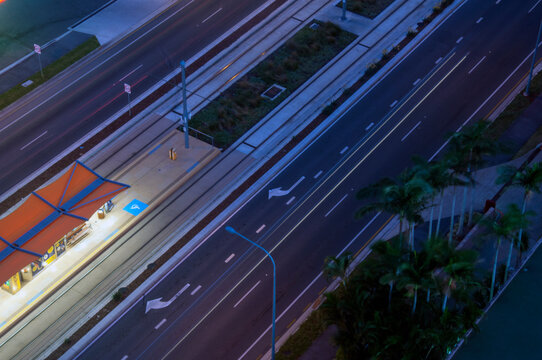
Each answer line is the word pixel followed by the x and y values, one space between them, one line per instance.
pixel 222 308
pixel 64 110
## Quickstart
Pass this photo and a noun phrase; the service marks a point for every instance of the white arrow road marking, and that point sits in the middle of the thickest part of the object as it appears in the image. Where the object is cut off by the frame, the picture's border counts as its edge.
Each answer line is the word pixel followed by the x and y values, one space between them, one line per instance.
pixel 158 304
pixel 280 192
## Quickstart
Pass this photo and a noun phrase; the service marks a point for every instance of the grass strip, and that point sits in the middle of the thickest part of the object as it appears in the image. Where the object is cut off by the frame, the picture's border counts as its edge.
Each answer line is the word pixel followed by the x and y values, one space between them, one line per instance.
pixel 310 330
pixel 49 71
pixel 367 8
pixel 240 106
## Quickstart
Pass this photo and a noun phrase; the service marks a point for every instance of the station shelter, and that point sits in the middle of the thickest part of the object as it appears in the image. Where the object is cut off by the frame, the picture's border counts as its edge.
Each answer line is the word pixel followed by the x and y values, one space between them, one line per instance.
pixel 50 221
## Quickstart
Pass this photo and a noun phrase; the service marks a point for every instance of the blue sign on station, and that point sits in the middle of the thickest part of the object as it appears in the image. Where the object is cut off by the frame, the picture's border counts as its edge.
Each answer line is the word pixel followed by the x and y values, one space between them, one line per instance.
pixel 135 207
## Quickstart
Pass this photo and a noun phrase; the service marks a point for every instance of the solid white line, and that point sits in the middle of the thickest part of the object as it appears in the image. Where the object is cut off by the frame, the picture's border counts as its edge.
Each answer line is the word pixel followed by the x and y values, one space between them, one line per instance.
pixel 30 143
pixel 416 82
pixel 195 290
pixel 438 60
pixel 393 103
pixel 478 63
pixel 160 324
pixel 479 20
pixel 535 5
pixel 130 73
pixel 337 204
pixel 213 14
pixel 229 258
pixel 318 174
pixel 124 357
pixel 97 66
pixel 290 201
pixel 344 150
pixel 309 286
pixel 459 40
pixel 411 130
pixel 260 229
pixel 369 126
pixel 248 292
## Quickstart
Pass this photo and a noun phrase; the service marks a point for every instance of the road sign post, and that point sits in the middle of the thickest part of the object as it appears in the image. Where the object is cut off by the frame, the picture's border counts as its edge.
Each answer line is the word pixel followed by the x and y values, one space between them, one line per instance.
pixel 128 90
pixel 185 105
pixel 37 50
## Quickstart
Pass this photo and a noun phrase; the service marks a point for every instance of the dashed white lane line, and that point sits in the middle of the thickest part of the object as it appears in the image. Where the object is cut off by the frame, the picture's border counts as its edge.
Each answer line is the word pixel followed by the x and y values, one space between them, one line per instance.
pixel 344 150
pixel 30 143
pixel 479 20
pixel 337 204
pixel 438 60
pixel 318 174
pixel 497 2
pixel 260 229
pixel 210 16
pixel 411 130
pixel 478 63
pixel 290 201
pixel 229 258
pixel 195 290
pixel 369 126
pixel 130 73
pixel 160 324
pixel 124 357
pixel 393 103
pixel 248 292
pixel 416 82
pixel 459 40
pixel 535 5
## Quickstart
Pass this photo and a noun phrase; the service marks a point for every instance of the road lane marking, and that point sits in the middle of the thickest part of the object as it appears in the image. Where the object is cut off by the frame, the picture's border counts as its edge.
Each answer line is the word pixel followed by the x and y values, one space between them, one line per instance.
pixel 124 357
pixel 416 82
pixel 210 16
pixel 318 174
pixel 260 229
pixel 535 5
pixel 337 204
pixel 195 290
pixel 459 40
pixel 248 292
pixel 344 150
pixel 393 104
pixel 130 73
pixel 411 130
pixel 497 2
pixel 438 60
pixel 30 143
pixel 229 258
pixel 97 66
pixel 160 324
pixel 479 20
pixel 290 201
pixel 479 62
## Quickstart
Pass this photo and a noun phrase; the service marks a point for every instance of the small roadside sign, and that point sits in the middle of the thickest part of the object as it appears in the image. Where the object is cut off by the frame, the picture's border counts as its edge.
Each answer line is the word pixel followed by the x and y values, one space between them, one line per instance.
pixel 127 88
pixel 37 49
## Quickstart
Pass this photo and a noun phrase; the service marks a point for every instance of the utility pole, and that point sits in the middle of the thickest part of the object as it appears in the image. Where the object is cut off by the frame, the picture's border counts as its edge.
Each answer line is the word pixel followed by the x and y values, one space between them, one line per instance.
pixel 185 105
pixel 344 11
pixel 526 93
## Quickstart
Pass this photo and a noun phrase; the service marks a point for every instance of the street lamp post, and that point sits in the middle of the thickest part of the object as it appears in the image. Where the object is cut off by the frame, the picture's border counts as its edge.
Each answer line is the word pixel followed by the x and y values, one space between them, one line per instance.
pixel 185 105
pixel 344 10
pixel 526 93
pixel 232 230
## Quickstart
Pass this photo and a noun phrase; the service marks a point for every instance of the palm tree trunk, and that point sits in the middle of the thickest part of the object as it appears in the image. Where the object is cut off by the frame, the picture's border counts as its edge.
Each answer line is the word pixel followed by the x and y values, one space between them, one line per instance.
pixel 445 301
pixel 428 298
pixel 389 296
pixel 472 200
pixel 463 206
pixel 440 212
pixel 494 270
pixel 411 236
pixel 415 300
pixel 431 219
pixel 452 218
pixel 401 230
pixel 508 260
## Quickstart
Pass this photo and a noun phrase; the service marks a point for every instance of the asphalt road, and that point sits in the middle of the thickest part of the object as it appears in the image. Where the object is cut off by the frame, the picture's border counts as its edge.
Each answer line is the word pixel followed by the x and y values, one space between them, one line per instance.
pixel 223 308
pixel 61 112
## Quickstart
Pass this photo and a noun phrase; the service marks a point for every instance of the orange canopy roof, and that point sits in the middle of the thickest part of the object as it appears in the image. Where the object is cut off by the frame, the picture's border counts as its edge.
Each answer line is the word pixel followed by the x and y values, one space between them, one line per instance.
pixel 50 213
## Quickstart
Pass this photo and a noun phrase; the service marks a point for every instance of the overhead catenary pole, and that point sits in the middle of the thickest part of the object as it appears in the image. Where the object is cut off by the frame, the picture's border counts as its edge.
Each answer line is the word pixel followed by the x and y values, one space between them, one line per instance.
pixel 185 105
pixel 233 231
pixel 526 93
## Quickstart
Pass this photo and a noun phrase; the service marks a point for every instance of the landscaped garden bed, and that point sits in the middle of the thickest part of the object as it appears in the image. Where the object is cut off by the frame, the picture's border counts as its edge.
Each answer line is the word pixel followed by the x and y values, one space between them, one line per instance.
pixel 242 105
pixel 367 8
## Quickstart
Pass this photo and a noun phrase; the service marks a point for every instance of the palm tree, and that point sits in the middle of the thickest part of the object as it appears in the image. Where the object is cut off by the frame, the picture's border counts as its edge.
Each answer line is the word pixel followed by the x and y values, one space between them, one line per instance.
pixel 504 227
pixel 530 179
pixel 391 256
pixel 456 161
pixel 404 197
pixel 337 267
pixel 474 142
